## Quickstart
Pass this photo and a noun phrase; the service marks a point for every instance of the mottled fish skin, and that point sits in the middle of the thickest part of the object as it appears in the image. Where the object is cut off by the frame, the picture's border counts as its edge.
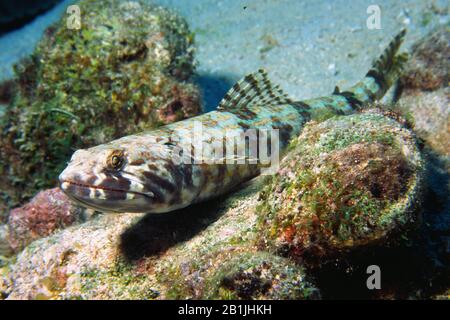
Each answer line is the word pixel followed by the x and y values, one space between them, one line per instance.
pixel 137 173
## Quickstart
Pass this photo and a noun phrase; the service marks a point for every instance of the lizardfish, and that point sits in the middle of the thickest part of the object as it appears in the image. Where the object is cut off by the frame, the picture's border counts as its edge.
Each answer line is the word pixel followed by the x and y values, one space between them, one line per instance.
pixel 152 171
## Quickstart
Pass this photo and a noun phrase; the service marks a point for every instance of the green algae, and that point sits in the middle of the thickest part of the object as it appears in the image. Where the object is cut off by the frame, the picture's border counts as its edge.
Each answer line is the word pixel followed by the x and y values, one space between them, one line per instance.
pixel 120 281
pixel 258 275
pixel 239 273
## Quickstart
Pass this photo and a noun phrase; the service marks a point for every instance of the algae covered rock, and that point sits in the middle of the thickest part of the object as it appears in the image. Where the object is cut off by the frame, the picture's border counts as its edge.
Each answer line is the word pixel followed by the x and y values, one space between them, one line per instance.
pixel 57 266
pixel 258 275
pixel 127 69
pixel 348 182
pixel 206 251
pixel 237 272
pixel 425 98
pixel 427 68
pixel 47 212
pixel 5 247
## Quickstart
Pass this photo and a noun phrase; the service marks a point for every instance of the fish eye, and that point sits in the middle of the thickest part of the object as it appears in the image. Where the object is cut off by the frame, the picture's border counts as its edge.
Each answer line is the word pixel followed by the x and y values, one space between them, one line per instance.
pixel 116 160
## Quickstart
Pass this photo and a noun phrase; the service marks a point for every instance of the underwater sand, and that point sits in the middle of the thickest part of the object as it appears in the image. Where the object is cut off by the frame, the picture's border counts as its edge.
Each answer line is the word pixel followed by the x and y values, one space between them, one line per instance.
pixel 307 47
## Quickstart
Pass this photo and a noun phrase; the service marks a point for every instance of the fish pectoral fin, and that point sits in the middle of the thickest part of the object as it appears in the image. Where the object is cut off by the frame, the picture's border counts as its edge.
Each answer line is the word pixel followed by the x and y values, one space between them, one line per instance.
pixel 254 89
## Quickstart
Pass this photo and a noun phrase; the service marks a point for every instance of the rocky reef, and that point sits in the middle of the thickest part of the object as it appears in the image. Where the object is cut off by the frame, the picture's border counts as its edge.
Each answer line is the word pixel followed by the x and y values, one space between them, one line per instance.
pixel 218 249
pixel 349 182
pixel 426 95
pixel 425 102
pixel 48 212
pixel 127 69
pixel 133 256
pixel 370 188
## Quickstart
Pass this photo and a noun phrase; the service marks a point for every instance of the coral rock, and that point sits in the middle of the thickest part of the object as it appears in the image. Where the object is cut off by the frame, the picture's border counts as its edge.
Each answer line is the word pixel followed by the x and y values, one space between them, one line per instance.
pixel 427 69
pixel 258 275
pixel 47 212
pixel 203 251
pixel 349 182
pixel 426 96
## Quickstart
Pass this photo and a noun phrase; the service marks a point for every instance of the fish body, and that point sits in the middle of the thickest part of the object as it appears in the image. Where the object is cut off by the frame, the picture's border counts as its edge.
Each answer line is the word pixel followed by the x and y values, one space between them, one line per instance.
pixel 205 156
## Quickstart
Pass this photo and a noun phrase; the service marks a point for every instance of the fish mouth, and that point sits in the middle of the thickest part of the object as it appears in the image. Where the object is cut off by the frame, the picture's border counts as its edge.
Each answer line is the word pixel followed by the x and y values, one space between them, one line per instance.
pixel 79 193
pixel 88 186
pixel 90 205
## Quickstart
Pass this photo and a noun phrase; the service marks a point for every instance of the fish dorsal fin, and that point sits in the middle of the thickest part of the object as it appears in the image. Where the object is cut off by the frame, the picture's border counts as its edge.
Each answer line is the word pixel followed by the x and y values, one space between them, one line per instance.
pixel 254 89
pixel 336 90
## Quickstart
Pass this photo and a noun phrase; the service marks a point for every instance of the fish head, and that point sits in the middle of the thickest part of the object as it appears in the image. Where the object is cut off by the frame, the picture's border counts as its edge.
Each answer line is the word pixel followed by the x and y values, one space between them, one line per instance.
pixel 110 178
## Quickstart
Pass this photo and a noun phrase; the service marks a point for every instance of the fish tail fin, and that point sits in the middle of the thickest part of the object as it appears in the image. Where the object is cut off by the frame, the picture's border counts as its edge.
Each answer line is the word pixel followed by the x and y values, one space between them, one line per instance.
pixel 384 72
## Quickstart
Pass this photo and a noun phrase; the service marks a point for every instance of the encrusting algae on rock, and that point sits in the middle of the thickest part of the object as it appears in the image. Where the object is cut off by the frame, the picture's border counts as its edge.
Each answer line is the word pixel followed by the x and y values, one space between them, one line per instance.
pixel 213 249
pixel 126 70
pixel 348 182
pixel 258 275
pixel 213 257
pixel 425 100
pixel 426 94
pixel 49 211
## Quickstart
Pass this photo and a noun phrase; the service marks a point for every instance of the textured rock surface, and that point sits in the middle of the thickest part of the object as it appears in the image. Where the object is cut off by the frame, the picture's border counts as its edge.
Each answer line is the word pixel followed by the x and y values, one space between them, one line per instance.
pixel 348 182
pixel 427 68
pixel 247 275
pixel 215 250
pixel 125 70
pixel 5 247
pixel 47 212
pixel 209 250
pixel 156 256
pixel 426 97
pixel 426 103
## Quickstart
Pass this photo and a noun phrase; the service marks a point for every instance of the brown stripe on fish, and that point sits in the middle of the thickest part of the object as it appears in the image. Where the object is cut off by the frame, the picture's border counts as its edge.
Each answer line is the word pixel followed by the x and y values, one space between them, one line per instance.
pixel 114 194
pixel 285 131
pixel 333 105
pixel 302 108
pixel 114 187
pixel 91 180
pixel 158 196
pixel 152 166
pixel 137 162
pixel 186 172
pixel 351 99
pixel 245 113
pixel 221 172
pixel 79 191
pixel 159 181
pixel 117 181
pixel 177 177
pixel 244 125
